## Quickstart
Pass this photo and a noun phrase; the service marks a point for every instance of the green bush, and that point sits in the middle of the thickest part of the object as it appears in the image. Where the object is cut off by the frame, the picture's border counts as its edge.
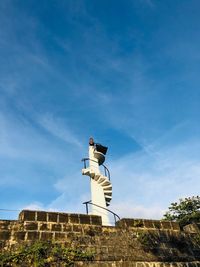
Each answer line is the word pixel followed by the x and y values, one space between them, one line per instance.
pixel 43 254
pixel 185 211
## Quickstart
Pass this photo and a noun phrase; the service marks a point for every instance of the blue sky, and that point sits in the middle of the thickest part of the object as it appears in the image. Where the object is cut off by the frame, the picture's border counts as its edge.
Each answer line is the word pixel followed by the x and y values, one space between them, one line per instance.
pixel 124 72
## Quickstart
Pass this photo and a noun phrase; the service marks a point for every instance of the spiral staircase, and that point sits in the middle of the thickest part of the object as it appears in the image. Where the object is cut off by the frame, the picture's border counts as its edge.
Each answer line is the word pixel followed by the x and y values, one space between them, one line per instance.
pixel 100 184
pixel 101 180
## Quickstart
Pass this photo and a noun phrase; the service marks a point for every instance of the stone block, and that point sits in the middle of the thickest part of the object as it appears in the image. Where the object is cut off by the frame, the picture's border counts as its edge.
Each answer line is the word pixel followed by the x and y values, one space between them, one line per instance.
pixel 18 236
pixel 120 223
pixel 138 223
pixel 148 223
pixel 34 235
pixel 16 226
pixel 105 257
pixel 96 220
pixel 175 226
pixel 5 224
pixel 71 235
pixel 31 226
pixel 27 215
pixel 56 227
pixel 157 224
pixel 92 230
pixel 166 225
pixel 63 217
pixel 74 218
pixel 67 228
pixel 44 226
pixel 126 222
pixel 85 219
pixel 52 217
pixel 60 236
pixel 77 228
pixel 4 235
pixel 46 236
pixel 41 216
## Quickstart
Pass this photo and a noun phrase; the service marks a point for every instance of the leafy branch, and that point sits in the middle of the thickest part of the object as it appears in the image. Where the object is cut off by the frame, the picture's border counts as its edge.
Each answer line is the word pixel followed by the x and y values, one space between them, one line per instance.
pixel 185 211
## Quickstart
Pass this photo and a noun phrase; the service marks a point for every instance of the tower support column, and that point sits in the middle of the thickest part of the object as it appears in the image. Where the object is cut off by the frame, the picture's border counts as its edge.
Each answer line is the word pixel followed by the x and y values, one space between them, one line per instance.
pixel 101 187
pixel 97 193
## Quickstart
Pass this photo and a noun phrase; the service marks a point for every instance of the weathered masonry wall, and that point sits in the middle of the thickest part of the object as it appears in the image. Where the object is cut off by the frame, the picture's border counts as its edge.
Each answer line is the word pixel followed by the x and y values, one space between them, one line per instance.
pixel 138 243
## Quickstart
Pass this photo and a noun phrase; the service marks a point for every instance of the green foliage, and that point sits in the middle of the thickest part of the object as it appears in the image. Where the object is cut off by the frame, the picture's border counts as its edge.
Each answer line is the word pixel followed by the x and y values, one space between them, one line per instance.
pixel 147 239
pixel 43 254
pixel 185 211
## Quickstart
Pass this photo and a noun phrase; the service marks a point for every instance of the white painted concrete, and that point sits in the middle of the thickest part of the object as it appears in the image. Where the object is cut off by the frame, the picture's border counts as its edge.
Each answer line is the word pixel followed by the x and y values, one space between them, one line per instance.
pixel 97 193
pixel 101 187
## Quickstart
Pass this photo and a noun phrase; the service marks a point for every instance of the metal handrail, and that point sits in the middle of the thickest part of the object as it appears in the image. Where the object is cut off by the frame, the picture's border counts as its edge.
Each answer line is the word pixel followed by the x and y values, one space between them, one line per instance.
pixel 106 171
pixel 90 202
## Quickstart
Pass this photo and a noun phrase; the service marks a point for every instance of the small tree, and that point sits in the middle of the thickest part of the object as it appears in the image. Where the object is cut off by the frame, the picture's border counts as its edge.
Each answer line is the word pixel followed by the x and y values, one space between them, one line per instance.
pixel 186 211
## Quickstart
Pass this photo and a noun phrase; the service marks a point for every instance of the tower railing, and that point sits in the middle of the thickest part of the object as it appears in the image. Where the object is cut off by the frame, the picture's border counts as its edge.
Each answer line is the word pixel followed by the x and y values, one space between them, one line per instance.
pixel 110 211
pixel 106 171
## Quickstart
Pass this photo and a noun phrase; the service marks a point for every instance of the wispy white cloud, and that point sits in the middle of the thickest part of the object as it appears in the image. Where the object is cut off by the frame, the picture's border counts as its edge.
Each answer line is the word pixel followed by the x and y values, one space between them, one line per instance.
pixel 19 139
pixel 61 203
pixel 129 209
pixel 66 204
pixel 148 183
pixel 34 206
pixel 59 129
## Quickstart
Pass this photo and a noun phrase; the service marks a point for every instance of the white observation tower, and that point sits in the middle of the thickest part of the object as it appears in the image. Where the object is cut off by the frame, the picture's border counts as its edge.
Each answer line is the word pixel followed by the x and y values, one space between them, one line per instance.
pixel 101 187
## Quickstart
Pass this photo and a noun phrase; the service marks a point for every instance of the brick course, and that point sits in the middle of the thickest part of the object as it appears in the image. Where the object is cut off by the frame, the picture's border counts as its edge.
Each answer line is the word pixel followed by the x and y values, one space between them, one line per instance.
pixel 132 242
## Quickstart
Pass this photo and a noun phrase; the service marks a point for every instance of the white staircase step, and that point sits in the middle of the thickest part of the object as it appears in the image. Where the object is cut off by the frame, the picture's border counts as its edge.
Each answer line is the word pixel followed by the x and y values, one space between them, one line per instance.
pixel 92 174
pixel 101 179
pixel 96 177
pixel 86 171
pixel 108 193
pixel 89 172
pixel 105 183
pixel 108 199
pixel 108 187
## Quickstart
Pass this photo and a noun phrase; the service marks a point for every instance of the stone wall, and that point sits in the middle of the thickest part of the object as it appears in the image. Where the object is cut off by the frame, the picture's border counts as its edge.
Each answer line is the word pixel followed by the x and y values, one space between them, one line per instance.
pixel 138 243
